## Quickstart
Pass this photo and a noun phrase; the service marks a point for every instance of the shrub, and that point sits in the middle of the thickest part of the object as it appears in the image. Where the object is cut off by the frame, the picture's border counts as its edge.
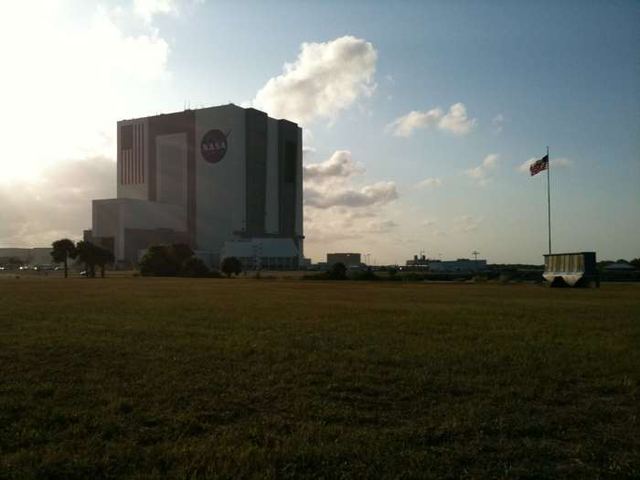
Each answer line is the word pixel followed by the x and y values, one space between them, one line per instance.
pixel 194 267
pixel 368 274
pixel 316 276
pixel 164 260
pixel 180 252
pixel 413 277
pixel 157 261
pixel 231 265
pixel 338 271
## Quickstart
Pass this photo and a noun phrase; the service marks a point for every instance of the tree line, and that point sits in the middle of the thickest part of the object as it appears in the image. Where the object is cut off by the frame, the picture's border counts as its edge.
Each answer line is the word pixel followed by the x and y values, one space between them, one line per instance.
pixel 84 252
pixel 179 260
pixel 159 260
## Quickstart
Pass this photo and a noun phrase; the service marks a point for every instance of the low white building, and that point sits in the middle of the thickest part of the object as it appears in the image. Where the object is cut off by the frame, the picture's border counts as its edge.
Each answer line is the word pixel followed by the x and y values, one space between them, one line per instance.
pixel 462 265
pixel 262 253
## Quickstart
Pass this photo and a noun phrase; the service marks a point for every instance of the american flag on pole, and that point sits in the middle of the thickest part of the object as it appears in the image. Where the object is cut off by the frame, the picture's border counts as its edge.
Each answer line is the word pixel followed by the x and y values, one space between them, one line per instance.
pixel 539 165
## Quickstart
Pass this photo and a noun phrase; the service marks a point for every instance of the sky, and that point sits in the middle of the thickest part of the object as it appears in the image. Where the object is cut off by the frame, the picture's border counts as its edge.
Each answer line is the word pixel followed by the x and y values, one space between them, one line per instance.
pixel 420 117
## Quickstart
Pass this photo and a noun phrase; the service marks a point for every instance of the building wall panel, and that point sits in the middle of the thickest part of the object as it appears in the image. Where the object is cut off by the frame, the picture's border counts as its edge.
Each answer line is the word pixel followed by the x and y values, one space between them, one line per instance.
pixel 256 171
pixel 220 185
pixel 272 223
pixel 171 159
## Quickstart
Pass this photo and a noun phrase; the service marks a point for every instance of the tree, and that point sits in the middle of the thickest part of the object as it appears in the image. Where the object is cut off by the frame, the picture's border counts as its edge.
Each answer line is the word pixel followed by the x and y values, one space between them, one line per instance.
pixel 179 252
pixel 93 255
pixel 338 271
pixel 635 262
pixel 63 250
pixel 164 260
pixel 231 265
pixel 194 267
pixel 157 261
pixel 86 253
pixel 102 257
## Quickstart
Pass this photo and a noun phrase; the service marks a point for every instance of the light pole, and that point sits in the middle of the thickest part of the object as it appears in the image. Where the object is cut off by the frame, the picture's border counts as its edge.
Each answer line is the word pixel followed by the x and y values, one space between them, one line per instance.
pixel 475 254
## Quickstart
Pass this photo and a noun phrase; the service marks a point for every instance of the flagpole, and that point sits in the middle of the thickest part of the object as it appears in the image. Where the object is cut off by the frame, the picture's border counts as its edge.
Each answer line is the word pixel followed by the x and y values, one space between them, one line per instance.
pixel 549 196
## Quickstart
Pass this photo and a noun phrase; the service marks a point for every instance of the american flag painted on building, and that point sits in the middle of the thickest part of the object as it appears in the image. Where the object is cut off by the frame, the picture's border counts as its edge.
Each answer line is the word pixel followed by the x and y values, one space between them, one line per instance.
pixel 132 154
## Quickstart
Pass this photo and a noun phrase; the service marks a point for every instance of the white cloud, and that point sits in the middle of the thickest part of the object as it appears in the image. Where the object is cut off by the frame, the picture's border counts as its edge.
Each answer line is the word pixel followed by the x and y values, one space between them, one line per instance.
pixel 429 222
pixel 340 164
pixel 325 227
pixel 466 223
pixel 326 184
pixel 325 79
pixel 69 81
pixel 455 121
pixel 308 150
pixel 379 193
pixel 146 9
pixel 381 226
pixel 481 172
pixel 431 182
pixel 338 208
pixel 351 214
pixel 139 57
pixel 490 161
pixel 404 126
pixel 560 162
pixel 55 205
pixel 476 172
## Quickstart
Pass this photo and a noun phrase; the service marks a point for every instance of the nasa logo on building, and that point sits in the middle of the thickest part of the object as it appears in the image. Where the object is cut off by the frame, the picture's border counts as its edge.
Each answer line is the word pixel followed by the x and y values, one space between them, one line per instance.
pixel 214 146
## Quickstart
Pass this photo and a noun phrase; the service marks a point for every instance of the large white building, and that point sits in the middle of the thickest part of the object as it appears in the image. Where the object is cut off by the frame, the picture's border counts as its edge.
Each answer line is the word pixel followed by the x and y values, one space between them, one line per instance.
pixel 225 180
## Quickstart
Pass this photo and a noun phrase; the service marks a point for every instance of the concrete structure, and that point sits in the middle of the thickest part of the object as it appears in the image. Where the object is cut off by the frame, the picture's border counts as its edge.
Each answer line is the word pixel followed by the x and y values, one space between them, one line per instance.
pixel 217 179
pixel 572 269
pixel 348 259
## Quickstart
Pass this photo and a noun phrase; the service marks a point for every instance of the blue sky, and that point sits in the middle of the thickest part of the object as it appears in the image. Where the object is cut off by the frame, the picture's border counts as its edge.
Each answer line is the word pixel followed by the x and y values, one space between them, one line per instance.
pixel 528 74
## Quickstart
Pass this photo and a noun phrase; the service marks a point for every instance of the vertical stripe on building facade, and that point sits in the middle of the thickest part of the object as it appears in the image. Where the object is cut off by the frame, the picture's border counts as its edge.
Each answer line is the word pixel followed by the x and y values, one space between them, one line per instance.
pixel 140 153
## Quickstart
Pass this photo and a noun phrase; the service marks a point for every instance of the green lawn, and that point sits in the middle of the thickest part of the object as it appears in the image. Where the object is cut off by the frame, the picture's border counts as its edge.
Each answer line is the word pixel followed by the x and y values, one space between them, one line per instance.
pixel 180 378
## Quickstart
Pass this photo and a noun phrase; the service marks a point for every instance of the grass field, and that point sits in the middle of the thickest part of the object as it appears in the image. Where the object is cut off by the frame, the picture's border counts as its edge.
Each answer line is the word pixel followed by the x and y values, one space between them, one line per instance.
pixel 179 378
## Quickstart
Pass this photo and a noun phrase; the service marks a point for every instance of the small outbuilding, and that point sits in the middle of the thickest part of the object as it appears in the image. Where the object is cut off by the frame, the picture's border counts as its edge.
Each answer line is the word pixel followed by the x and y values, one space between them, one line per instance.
pixel 619 267
pixel 571 269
